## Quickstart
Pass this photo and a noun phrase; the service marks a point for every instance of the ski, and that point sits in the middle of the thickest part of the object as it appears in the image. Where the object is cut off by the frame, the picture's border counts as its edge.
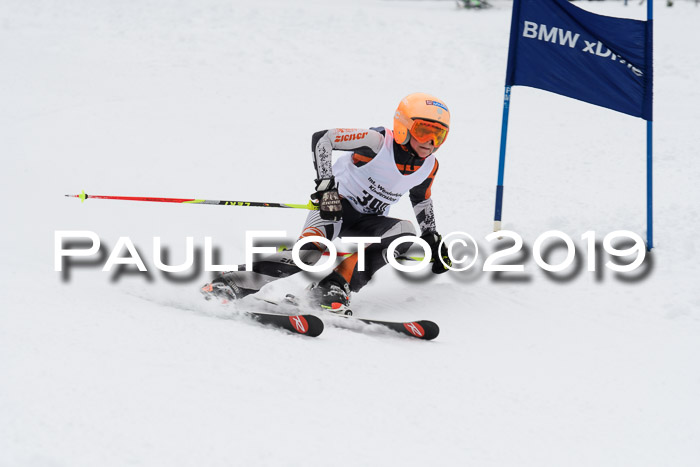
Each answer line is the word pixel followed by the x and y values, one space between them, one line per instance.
pixel 307 325
pixel 422 329
pixel 296 323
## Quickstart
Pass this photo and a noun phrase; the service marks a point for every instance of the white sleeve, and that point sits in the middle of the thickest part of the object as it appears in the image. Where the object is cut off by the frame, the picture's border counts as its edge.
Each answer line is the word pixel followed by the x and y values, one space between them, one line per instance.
pixel 344 139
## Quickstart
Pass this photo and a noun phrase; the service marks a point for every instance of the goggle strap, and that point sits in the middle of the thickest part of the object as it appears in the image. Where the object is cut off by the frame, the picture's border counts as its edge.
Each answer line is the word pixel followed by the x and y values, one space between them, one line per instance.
pixel 405 121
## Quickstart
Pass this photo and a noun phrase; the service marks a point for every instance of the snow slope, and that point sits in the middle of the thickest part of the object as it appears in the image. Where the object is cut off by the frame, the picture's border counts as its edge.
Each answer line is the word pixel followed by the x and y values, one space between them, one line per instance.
pixel 218 99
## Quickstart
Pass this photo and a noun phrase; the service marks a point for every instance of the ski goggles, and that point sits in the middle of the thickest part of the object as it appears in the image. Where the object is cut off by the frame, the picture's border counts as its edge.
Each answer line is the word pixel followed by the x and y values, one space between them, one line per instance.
pixel 424 131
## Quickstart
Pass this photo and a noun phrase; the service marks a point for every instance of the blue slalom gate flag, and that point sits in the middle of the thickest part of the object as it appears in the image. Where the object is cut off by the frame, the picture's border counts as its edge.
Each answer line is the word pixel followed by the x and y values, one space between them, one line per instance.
pixel 606 61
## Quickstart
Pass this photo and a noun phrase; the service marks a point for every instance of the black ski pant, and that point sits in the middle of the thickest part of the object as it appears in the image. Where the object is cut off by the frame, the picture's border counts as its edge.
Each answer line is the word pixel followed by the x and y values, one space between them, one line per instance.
pixel 352 224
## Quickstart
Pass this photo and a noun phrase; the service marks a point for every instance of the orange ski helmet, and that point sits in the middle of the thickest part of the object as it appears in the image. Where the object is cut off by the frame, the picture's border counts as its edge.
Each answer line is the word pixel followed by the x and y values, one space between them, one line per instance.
pixel 419 107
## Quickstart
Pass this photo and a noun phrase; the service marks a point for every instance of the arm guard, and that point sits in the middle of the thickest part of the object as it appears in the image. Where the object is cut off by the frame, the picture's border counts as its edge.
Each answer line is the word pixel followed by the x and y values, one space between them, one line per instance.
pixel 423 203
pixel 425 216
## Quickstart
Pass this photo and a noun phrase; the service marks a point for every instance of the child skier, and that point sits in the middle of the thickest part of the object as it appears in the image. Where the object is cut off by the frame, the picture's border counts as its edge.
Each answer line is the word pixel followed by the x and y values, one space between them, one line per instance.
pixel 354 196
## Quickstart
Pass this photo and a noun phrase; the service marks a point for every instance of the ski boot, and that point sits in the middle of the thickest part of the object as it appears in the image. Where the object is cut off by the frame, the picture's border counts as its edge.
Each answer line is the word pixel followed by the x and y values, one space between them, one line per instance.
pixel 223 288
pixel 332 294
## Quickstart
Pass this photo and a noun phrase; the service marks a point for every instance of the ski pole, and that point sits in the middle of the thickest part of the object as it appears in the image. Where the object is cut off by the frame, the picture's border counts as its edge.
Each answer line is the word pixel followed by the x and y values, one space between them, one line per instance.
pixel 310 205
pixel 344 255
pixel 401 257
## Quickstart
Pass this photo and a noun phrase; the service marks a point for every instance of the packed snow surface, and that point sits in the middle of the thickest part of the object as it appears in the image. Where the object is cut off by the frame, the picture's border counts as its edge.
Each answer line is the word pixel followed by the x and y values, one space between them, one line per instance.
pixel 218 99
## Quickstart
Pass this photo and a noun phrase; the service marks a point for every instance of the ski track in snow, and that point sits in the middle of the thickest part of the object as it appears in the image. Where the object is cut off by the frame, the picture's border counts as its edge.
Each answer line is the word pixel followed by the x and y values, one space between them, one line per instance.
pixel 219 99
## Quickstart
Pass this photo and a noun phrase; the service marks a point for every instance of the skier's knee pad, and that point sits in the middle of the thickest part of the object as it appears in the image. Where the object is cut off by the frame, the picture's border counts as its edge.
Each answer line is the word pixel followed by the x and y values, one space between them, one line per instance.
pixel 401 229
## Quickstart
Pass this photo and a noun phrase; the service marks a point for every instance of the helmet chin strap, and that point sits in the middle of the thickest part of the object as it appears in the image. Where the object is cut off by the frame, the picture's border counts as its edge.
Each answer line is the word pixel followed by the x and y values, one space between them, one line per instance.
pixel 409 149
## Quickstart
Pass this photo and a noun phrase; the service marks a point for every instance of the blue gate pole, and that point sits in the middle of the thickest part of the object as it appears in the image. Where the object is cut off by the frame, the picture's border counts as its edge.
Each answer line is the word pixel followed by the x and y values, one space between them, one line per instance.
pixel 650 211
pixel 502 162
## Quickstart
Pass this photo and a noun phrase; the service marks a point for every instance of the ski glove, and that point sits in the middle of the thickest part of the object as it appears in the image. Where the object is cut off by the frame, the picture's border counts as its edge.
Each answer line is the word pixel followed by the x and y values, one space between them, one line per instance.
pixel 433 239
pixel 328 200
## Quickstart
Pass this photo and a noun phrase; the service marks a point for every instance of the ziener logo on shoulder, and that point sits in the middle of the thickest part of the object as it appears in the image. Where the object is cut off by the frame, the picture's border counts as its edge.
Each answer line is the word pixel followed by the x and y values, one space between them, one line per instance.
pixel 351 136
